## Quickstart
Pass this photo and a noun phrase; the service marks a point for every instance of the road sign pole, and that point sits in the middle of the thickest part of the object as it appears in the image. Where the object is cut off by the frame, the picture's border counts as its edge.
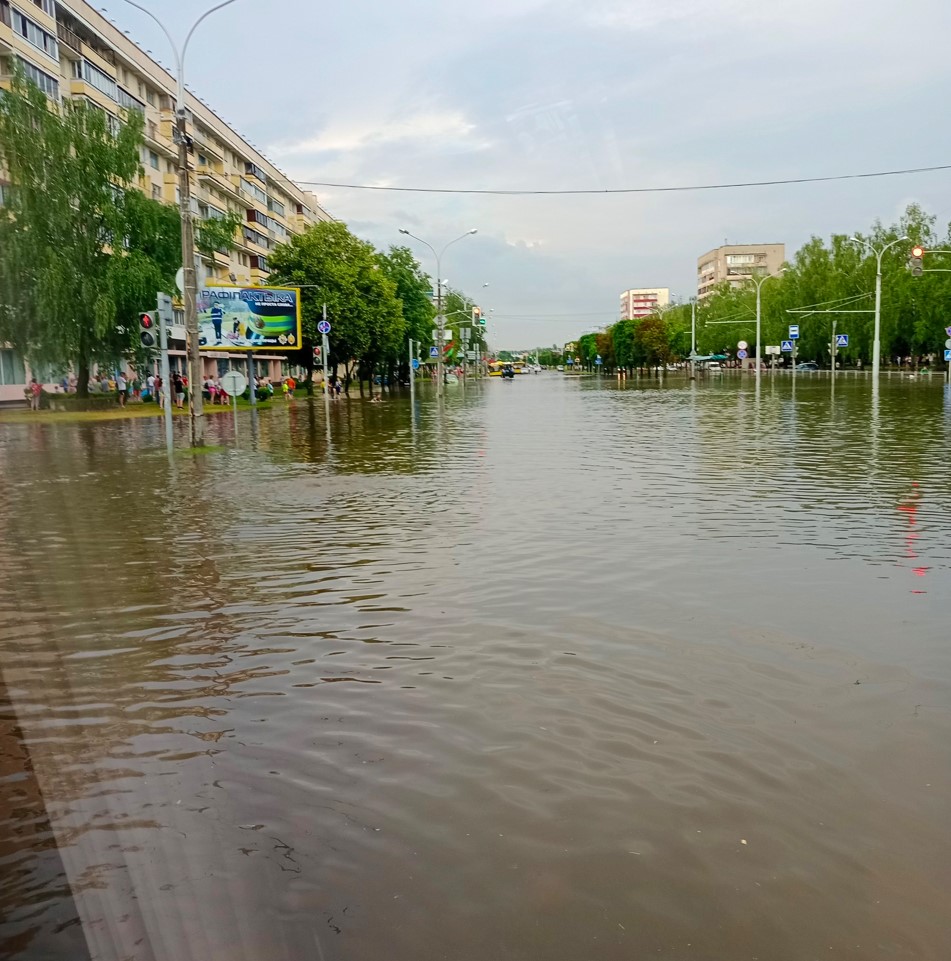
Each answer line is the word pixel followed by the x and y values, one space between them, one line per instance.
pixel 412 375
pixel 834 346
pixel 326 350
pixel 166 372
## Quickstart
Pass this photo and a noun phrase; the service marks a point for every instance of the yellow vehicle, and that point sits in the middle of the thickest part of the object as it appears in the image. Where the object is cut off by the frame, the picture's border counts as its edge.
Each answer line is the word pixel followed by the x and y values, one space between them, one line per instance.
pixel 497 366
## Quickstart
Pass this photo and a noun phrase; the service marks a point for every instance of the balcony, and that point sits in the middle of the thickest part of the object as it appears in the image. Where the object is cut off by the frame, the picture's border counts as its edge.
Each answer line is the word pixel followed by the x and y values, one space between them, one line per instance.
pixel 211 178
pixel 70 44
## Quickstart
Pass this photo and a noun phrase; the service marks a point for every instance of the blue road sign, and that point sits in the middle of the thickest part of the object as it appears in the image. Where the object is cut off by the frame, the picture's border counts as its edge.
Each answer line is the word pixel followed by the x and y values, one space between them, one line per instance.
pixel 841 340
pixel 323 327
pixel 947 354
pixel 433 351
pixel 794 331
pixel 415 364
pixel 742 354
pixel 598 360
pixel 570 361
pixel 786 346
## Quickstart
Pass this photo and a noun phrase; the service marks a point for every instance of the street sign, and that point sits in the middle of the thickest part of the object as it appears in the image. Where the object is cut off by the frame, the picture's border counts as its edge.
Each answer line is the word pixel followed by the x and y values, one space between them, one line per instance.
pixel 180 279
pixel 598 360
pixel 771 349
pixel 841 340
pixel 786 346
pixel 433 351
pixel 947 353
pixel 794 331
pixel 947 343
pixel 447 334
pixel 323 327
pixel 465 332
pixel 234 383
pixel 947 330
pixel 569 361
pixel 742 354
pixel 415 363
pixel 470 355
pixel 742 345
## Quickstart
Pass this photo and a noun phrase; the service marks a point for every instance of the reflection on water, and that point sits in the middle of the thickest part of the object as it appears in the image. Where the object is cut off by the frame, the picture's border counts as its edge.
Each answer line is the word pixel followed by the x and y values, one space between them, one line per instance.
pixel 561 670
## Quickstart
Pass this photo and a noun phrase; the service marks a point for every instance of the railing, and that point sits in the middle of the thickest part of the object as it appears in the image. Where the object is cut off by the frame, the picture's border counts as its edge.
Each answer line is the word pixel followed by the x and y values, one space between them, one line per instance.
pixel 67 36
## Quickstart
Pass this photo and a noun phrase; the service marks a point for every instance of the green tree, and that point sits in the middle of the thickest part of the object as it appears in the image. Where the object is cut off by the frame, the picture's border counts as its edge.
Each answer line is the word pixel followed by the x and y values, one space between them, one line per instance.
pixel 414 291
pixel 336 268
pixel 651 338
pixel 64 230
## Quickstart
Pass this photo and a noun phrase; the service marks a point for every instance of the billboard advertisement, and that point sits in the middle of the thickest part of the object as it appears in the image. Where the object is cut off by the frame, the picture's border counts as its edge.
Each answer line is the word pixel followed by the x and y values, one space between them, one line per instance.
pixel 249 318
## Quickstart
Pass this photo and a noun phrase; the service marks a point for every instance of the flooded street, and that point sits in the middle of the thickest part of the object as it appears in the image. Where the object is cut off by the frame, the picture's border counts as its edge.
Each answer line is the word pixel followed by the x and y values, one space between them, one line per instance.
pixel 563 670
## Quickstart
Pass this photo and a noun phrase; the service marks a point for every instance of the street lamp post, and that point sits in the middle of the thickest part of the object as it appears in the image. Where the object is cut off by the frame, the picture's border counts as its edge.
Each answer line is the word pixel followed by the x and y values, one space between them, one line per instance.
pixel 440 320
pixel 195 405
pixel 877 339
pixel 759 283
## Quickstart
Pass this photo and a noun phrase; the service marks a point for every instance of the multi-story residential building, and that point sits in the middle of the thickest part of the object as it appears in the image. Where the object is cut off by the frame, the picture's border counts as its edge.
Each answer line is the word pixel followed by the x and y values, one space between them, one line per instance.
pixel 69 49
pixel 737 263
pixel 642 301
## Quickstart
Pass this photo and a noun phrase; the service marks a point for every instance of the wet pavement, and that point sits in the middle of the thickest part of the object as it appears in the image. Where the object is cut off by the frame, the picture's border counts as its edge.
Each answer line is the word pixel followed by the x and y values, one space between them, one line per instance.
pixel 561 670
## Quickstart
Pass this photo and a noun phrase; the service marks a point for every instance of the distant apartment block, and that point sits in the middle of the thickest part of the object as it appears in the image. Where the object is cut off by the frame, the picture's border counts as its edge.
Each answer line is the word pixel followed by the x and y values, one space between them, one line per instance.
pixel 737 263
pixel 642 301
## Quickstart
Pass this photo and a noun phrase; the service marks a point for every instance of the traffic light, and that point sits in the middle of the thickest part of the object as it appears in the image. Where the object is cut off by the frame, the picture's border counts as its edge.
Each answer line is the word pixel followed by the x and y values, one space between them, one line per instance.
pixel 477 317
pixel 148 335
pixel 915 261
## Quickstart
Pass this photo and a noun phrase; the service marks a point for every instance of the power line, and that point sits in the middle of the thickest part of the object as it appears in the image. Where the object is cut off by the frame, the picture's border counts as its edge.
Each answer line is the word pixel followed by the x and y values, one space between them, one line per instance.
pixel 629 190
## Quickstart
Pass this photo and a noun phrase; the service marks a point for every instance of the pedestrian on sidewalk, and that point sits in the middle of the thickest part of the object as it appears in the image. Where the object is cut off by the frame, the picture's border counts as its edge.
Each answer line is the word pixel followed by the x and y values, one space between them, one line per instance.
pixel 122 386
pixel 178 389
pixel 35 392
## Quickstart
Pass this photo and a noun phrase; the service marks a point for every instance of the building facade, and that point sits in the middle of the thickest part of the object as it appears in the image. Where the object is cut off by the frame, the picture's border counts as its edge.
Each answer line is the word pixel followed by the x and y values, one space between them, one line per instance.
pixel 737 263
pixel 641 301
pixel 70 50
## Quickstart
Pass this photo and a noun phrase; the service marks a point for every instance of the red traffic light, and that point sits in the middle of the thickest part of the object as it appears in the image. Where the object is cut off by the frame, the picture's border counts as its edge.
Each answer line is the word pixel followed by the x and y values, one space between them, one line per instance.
pixel 917 251
pixel 146 322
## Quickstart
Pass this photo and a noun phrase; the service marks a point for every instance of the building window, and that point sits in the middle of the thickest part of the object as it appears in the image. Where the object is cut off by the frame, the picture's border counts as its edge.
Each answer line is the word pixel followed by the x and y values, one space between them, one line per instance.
pixel 129 102
pixel 12 370
pixel 49 85
pixel 34 34
pixel 252 190
pixel 735 259
pixel 152 129
pixel 276 207
pixel 156 192
pixel 202 160
pixel 153 160
pixel 279 229
pixel 97 78
pixel 47 6
pixel 260 263
pixel 256 217
pixel 150 96
pixel 253 170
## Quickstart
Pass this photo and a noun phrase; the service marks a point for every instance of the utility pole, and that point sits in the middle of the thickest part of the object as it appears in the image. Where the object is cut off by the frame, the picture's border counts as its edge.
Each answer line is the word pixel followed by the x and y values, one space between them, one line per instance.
pixel 189 293
pixel 440 319
pixel 877 340
pixel 693 338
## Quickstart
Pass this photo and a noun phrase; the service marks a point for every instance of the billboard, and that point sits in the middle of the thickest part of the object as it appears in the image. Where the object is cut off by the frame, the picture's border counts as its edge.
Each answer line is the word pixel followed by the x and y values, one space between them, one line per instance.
pixel 249 318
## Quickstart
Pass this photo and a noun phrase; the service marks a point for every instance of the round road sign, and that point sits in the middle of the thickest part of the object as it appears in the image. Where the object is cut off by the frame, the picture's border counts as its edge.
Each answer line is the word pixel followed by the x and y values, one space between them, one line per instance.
pixel 947 343
pixel 234 383
pixel 742 354
pixel 323 327
pixel 415 364
pixel 742 345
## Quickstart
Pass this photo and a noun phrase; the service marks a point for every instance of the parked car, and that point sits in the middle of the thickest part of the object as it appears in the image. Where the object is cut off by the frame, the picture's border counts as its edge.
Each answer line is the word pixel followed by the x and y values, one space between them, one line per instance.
pixel 807 365
pixel 714 367
pixel 560 367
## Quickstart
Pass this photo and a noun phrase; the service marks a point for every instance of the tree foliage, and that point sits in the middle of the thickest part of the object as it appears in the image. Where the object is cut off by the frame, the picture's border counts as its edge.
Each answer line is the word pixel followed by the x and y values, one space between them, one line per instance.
pixel 839 274
pixel 83 250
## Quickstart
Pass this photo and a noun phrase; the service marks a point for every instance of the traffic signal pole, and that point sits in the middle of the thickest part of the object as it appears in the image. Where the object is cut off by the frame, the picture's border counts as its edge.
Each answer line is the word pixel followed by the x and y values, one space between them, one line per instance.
pixel 165 368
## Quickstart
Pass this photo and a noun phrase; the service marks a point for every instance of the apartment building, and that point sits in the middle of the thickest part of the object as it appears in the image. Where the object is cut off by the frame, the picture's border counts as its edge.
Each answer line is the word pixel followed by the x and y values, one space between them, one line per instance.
pixel 737 263
pixel 69 49
pixel 642 301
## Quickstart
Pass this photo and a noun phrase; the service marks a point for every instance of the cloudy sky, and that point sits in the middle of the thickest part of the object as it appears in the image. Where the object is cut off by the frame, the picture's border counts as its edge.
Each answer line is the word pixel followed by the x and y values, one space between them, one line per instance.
pixel 592 94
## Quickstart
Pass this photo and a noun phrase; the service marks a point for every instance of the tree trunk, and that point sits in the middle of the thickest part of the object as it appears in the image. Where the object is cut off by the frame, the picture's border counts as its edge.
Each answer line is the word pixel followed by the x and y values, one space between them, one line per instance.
pixel 82 378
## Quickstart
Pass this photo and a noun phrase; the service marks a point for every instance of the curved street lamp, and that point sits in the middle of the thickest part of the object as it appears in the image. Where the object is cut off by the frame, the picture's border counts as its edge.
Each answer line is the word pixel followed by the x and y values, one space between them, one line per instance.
pixel 440 319
pixel 195 406
pixel 877 340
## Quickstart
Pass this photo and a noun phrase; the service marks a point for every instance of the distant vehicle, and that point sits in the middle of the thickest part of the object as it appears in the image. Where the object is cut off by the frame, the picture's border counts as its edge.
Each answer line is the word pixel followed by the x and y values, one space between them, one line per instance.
pixel 508 372
pixel 714 366
pixel 560 367
pixel 807 365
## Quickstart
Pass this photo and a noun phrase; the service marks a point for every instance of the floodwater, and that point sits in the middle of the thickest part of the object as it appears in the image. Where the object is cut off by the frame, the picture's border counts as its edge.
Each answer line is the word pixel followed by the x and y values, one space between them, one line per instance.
pixel 563 670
